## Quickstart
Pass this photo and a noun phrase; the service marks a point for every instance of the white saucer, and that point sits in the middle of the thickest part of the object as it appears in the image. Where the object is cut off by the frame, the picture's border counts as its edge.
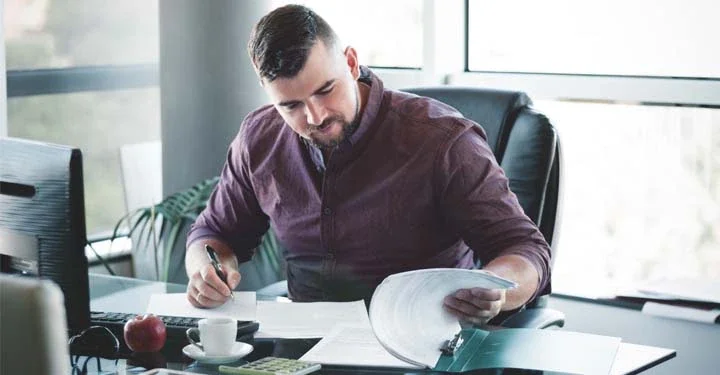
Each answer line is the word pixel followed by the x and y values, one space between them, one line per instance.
pixel 239 350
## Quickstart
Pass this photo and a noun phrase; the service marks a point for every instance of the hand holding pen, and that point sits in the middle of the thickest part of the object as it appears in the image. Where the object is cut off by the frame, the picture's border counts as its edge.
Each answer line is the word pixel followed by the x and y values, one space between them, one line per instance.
pixel 218 268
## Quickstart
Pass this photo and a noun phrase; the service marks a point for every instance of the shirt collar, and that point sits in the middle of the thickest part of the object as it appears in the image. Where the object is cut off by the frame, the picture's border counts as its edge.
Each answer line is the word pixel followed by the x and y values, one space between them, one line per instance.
pixel 372 107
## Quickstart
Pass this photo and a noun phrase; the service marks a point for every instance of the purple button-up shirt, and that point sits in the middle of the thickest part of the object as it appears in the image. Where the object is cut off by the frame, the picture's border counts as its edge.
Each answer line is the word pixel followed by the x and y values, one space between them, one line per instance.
pixel 416 186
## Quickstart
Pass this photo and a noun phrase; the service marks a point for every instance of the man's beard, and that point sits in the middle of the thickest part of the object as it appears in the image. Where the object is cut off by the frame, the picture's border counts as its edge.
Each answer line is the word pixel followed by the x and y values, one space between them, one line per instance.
pixel 348 128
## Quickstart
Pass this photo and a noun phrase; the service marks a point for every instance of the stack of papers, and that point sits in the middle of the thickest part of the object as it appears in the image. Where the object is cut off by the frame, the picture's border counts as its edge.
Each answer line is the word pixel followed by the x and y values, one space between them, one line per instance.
pixel 687 299
pixel 684 289
pixel 407 311
pixel 353 345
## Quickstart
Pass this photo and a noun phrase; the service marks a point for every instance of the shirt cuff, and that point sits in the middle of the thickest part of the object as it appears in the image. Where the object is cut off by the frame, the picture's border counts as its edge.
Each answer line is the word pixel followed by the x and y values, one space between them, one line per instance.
pixel 241 253
pixel 200 233
pixel 540 264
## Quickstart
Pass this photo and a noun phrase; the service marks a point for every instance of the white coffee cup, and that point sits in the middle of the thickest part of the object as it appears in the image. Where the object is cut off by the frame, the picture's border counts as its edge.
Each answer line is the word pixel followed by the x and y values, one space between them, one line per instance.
pixel 217 336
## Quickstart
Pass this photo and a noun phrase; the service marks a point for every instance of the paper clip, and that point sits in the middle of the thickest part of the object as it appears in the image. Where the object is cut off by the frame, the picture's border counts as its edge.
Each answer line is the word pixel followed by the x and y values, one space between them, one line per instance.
pixel 451 346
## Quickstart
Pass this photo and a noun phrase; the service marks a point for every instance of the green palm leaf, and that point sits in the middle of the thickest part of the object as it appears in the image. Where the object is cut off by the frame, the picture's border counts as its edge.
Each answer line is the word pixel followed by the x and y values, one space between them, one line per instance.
pixel 170 214
pixel 165 220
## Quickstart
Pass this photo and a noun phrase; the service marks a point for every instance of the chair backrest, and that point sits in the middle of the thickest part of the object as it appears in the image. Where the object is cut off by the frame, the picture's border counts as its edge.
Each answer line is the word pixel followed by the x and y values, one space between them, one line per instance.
pixel 141 168
pixel 33 332
pixel 524 142
pixel 141 175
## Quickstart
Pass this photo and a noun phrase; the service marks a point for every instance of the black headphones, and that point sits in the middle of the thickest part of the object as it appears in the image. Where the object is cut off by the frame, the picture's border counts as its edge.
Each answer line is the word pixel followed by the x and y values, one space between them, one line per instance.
pixel 95 341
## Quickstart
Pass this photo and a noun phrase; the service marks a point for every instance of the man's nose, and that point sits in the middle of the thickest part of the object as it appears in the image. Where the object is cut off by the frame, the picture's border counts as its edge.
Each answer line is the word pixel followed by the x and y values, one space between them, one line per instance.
pixel 315 113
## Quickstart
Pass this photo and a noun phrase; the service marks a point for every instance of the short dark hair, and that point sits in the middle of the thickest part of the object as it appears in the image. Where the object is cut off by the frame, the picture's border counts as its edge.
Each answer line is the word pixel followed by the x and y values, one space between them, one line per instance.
pixel 281 41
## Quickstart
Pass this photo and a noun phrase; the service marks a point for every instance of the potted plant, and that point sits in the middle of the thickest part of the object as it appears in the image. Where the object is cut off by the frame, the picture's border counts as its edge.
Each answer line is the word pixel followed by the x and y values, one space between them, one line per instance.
pixel 158 227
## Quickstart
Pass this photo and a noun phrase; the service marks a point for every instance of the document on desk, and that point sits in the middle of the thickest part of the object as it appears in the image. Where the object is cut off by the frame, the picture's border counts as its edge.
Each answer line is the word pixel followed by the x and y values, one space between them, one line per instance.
pixel 243 307
pixel 130 303
pixel 353 345
pixel 694 314
pixel 685 289
pixel 300 320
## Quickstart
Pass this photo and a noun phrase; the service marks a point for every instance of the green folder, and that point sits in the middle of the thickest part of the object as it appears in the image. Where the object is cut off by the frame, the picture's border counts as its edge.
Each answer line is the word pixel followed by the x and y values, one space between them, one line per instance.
pixel 533 349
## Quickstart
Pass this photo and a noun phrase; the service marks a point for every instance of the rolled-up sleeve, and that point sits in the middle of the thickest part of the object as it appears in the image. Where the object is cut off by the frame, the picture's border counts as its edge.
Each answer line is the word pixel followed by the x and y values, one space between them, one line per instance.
pixel 233 214
pixel 476 200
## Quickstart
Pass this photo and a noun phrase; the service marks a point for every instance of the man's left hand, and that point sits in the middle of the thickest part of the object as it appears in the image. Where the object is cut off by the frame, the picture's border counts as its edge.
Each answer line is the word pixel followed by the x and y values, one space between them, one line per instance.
pixel 475 305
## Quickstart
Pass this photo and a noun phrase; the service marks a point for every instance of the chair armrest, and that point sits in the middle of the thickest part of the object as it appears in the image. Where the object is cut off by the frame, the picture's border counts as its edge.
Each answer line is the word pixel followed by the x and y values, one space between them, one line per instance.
pixel 542 317
pixel 276 289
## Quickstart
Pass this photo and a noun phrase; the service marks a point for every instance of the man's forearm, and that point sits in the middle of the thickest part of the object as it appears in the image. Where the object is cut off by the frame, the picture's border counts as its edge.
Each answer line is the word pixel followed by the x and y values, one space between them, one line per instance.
pixel 520 270
pixel 196 256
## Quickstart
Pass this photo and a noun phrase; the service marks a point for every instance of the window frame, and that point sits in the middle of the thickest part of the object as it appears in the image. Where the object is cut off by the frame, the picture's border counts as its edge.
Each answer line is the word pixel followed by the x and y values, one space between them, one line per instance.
pixel 657 90
pixel 82 78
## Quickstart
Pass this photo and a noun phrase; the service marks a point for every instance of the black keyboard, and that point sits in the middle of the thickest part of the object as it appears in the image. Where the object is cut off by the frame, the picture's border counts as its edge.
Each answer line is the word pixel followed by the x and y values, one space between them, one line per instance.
pixel 175 325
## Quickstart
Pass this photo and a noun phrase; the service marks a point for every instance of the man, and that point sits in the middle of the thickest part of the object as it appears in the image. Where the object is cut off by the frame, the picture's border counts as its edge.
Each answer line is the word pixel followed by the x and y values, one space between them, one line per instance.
pixel 359 182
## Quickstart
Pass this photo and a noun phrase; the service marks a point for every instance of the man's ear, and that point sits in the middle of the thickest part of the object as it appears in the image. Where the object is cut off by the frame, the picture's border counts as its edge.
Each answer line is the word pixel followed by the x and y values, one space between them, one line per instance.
pixel 352 62
pixel 261 81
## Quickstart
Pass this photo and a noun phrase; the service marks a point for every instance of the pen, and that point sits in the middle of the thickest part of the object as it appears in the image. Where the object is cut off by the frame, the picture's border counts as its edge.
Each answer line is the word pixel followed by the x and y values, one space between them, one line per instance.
pixel 218 267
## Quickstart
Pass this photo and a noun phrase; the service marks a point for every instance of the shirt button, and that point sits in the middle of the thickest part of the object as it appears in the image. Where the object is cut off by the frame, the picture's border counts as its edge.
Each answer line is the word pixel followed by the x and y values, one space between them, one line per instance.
pixel 327 211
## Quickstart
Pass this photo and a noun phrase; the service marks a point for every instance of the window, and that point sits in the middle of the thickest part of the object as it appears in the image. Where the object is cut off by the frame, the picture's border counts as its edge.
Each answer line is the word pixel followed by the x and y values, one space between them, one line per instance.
pixel 675 38
pixel 62 33
pixel 641 198
pixel 641 194
pixel 98 123
pixel 70 49
pixel 384 33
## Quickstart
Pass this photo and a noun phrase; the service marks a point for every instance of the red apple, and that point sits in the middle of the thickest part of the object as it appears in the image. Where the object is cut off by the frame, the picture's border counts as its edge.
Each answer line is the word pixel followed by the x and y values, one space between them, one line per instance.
pixel 145 333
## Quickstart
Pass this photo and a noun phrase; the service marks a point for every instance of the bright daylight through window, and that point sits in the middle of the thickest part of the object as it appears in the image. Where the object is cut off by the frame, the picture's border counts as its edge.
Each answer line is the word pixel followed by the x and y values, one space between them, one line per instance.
pixel 65 33
pixel 641 194
pixel 670 38
pixel 641 182
pixel 41 34
pixel 385 33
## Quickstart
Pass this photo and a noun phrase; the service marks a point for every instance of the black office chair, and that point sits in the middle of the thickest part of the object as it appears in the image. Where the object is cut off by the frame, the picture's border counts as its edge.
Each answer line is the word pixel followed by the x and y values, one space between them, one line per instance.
pixel 527 147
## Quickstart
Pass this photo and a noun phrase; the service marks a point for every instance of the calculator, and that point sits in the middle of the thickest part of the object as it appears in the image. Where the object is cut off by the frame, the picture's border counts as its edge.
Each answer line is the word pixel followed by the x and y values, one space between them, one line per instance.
pixel 272 366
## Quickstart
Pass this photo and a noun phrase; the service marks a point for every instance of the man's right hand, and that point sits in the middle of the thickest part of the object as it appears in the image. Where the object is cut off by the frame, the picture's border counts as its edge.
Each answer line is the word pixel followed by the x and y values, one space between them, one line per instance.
pixel 206 290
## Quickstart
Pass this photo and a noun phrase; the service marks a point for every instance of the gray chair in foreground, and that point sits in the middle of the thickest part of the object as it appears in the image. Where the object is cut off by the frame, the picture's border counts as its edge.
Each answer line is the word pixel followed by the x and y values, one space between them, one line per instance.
pixel 527 147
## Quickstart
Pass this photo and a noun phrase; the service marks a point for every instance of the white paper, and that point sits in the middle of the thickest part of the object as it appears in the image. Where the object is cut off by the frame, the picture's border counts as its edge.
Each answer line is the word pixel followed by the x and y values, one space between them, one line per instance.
pixel 630 357
pixel 406 311
pixel 685 289
pixel 243 307
pixel 131 304
pixel 681 312
pixel 298 320
pixel 352 345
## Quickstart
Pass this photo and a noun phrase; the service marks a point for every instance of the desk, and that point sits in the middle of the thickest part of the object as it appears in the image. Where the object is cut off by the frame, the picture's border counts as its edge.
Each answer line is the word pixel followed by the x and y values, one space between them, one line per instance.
pixel 120 294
